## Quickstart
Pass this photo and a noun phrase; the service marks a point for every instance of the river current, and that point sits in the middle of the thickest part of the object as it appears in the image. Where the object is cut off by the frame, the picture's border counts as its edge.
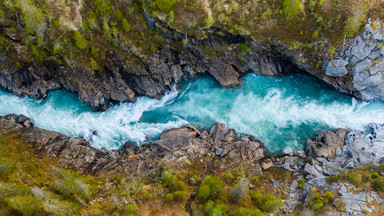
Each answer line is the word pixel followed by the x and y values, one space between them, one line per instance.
pixel 281 112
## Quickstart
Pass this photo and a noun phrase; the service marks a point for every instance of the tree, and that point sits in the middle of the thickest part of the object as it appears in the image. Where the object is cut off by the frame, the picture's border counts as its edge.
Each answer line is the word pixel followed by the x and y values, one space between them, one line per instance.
pixel 240 190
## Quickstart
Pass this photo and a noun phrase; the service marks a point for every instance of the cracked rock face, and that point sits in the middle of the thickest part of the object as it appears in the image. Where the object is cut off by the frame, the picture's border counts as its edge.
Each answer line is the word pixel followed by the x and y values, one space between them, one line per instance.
pixel 364 57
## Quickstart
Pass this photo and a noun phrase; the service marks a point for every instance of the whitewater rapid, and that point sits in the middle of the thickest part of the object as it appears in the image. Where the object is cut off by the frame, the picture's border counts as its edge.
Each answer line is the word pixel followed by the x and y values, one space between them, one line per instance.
pixel 281 112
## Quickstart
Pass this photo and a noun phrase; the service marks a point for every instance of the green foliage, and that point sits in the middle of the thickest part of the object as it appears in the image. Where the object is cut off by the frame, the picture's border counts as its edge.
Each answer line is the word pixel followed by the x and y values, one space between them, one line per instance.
pixel 315 35
pixel 103 7
pixel 169 197
pixel 180 195
pixel 355 21
pixel 94 51
pixel 255 180
pixel 11 190
pixel 355 178
pixel 211 188
pixel 81 42
pixel 6 168
pixel 34 17
pixel 265 15
pixel 132 209
pixel 71 187
pixel 209 21
pixel 27 205
pixel 267 203
pixel 242 211
pixel 94 65
pixel 291 7
pixel 301 183
pixel 240 190
pixel 378 184
pixel 229 178
pixel 165 5
pixel 126 26
pixel 59 207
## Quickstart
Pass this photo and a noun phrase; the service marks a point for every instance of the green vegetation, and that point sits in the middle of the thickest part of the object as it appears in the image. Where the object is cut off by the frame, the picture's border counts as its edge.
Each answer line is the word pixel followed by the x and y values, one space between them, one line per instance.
pixel 81 43
pixel 356 20
pixel 291 7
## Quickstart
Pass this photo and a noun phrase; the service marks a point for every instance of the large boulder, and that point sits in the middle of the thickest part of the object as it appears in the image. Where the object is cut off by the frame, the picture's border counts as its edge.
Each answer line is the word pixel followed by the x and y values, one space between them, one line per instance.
pixel 337 68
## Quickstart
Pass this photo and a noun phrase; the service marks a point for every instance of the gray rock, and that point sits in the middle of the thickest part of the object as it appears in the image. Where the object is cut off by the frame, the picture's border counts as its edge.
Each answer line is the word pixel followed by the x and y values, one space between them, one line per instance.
pixel 267 164
pixel 374 54
pixel 312 171
pixel 376 197
pixel 362 66
pixel 359 49
pixel 192 181
pixel 218 151
pixel 336 68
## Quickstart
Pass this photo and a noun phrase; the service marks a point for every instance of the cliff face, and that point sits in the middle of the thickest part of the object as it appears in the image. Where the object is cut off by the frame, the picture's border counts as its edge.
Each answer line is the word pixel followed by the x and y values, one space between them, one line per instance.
pixel 108 51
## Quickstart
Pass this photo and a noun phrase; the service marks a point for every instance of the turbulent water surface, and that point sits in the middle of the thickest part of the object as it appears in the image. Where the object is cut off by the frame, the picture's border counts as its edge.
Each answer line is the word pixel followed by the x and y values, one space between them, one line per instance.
pixel 281 112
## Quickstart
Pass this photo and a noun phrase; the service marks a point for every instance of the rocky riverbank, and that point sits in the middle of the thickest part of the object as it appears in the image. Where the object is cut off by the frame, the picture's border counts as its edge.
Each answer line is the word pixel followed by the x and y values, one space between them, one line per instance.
pixel 218 151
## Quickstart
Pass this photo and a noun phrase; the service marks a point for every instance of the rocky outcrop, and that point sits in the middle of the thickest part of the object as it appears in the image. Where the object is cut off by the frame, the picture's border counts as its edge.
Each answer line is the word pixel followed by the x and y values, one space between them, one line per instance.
pixel 361 62
pixel 175 148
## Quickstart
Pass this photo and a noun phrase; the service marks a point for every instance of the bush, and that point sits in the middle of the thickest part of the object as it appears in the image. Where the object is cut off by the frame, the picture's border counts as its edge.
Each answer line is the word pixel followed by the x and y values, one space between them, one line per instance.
pixel 210 188
pixel 240 190
pixel 27 205
pixel 301 183
pixel 81 43
pixel 70 188
pixel 229 178
pixel 255 180
pixel 267 203
pixel 247 212
pixel 378 184
pixel 165 5
pixel 132 209
pixel 291 7
pixel 169 197
pixel 126 26
pixel 180 195
pixel 59 207
pixel 354 178
pixel 103 7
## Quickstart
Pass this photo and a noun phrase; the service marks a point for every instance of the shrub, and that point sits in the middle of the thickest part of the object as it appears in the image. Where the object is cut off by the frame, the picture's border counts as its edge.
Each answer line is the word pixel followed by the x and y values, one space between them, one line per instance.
pixel 354 178
pixel 6 169
pixel 356 19
pixel 375 175
pixel 218 210
pixel 9 190
pixel 329 195
pixel 81 42
pixel 255 180
pixel 209 21
pixel 165 5
pixel 378 184
pixel 132 209
pixel 267 203
pixel 229 178
pixel 240 190
pixel 210 188
pixel 180 195
pixel 291 7
pixel 170 180
pixel 73 188
pixel 27 205
pixel 242 211
pixel 59 207
pixel 301 183
pixel 103 7
pixel 169 197
pixel 126 26
pixel 265 15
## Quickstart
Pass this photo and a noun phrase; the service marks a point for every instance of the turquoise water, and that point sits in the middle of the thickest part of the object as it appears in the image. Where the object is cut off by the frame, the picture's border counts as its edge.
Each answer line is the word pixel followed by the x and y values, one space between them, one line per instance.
pixel 281 112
